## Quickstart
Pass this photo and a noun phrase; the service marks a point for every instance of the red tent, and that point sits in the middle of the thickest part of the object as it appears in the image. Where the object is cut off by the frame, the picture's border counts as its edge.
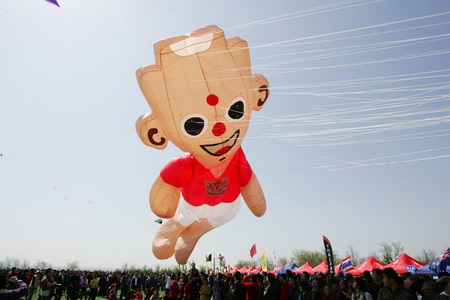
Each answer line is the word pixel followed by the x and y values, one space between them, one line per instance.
pixel 244 270
pixel 400 264
pixel 322 268
pixel 368 265
pixel 305 268
pixel 256 270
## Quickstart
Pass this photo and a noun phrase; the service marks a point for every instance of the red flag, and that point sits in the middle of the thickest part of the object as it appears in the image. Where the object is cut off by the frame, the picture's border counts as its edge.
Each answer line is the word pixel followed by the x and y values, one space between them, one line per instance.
pixel 253 250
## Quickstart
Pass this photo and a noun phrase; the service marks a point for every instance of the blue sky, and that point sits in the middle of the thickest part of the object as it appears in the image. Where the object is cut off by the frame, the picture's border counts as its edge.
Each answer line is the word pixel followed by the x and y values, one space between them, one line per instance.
pixel 353 142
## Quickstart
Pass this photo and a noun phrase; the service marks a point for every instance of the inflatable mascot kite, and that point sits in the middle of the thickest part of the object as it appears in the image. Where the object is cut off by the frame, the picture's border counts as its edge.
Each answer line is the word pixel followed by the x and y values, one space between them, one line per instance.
pixel 201 92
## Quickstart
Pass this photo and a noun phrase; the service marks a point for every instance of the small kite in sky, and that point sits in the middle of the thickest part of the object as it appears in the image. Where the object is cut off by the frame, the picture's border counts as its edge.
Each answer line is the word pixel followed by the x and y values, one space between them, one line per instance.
pixel 54 2
pixel 159 221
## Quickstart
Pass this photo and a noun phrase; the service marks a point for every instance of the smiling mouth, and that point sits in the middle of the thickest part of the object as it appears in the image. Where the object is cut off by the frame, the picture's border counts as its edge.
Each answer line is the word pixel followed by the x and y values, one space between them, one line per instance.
pixel 221 148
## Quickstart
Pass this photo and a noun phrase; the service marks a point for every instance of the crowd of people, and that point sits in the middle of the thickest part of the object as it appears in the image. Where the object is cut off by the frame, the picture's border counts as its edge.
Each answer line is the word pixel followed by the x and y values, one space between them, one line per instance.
pixel 193 285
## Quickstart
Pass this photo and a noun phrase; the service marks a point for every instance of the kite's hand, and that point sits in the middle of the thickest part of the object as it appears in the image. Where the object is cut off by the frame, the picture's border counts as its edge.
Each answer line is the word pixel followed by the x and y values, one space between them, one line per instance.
pixel 254 196
pixel 164 198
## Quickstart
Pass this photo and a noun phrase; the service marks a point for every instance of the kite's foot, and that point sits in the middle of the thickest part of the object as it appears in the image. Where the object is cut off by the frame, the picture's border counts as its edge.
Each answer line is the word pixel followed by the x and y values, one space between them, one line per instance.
pixel 165 239
pixel 189 238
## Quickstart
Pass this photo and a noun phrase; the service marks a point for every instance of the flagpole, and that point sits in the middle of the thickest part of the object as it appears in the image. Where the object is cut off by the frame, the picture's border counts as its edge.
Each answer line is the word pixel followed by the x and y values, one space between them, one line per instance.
pixel 214 264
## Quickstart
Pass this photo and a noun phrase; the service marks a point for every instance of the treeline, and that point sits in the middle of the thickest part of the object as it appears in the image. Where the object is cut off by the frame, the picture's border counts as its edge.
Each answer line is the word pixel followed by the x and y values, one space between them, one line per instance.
pixel 386 254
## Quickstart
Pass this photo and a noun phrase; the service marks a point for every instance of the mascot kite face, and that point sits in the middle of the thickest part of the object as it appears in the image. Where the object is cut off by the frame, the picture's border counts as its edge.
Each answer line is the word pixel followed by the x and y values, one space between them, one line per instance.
pixel 202 93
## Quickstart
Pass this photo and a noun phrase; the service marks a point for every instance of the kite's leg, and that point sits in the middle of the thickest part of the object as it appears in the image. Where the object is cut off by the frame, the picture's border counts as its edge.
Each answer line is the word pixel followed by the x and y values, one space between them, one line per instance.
pixel 165 238
pixel 189 238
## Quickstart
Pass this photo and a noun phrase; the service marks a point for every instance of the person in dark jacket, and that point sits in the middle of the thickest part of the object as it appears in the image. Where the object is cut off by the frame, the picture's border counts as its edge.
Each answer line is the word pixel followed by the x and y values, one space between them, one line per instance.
pixel 239 291
pixel 270 291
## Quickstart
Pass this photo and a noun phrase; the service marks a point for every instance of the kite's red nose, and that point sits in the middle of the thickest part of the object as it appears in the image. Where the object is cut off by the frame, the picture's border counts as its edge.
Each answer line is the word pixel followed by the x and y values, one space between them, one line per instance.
pixel 219 129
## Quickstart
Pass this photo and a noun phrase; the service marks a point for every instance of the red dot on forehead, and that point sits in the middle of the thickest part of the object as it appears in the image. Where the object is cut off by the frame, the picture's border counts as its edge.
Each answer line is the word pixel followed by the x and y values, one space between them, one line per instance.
pixel 212 100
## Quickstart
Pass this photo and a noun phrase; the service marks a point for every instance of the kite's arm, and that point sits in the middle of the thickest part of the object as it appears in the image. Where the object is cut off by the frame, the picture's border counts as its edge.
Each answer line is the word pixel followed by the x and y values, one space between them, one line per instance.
pixel 164 198
pixel 254 196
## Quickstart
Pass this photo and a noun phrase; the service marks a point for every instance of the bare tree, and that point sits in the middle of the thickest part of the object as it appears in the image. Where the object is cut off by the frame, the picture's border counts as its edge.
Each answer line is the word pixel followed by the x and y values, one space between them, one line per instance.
pixel 354 255
pixel 42 265
pixel 73 265
pixel 386 253
pixel 25 264
pixel 8 263
pixel 397 249
pixel 426 256
pixel 374 255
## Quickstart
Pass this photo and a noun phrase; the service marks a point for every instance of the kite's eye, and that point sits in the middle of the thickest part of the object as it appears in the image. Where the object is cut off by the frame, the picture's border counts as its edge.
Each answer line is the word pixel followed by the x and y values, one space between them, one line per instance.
pixel 236 111
pixel 194 125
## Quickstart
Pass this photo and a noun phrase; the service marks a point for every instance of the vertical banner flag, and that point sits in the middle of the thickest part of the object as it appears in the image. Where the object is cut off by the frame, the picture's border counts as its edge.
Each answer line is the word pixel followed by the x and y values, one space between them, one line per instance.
pixel 329 254
pixel 221 263
pixel 264 261
pixel 253 250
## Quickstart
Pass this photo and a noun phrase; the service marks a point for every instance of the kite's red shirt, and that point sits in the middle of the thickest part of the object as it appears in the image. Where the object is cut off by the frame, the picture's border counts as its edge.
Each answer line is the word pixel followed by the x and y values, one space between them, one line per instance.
pixel 199 186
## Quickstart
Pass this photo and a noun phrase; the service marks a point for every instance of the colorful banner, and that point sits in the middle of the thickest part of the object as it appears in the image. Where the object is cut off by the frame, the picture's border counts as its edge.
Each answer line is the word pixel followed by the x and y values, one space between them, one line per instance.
pixel 264 261
pixel 253 250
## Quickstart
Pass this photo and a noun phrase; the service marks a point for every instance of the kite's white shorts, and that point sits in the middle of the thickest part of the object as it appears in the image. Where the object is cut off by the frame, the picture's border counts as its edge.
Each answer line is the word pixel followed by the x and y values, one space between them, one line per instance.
pixel 216 215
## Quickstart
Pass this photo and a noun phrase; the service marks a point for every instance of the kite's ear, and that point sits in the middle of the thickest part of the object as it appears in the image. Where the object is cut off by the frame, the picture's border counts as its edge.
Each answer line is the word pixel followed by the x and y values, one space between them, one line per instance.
pixel 150 132
pixel 261 89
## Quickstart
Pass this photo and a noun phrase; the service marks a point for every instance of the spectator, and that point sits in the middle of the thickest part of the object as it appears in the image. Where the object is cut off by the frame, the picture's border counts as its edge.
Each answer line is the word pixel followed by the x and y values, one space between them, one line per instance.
pixel 124 286
pixel 316 290
pixel 250 282
pixel 294 291
pixel 328 293
pixel 270 290
pixel 174 288
pixel 216 291
pixel 360 290
pixel 393 289
pixel 429 290
pixel 93 286
pixel 112 291
pixel 205 290
pixel 285 287
pixel 32 281
pixel 47 285
pixel 18 288
pixel 445 283
pixel 377 276
pixel 137 295
pixel 155 295
pixel 239 291
pixel 410 284
pixel 62 280
pixel 304 293
pixel 150 284
pixel 13 272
